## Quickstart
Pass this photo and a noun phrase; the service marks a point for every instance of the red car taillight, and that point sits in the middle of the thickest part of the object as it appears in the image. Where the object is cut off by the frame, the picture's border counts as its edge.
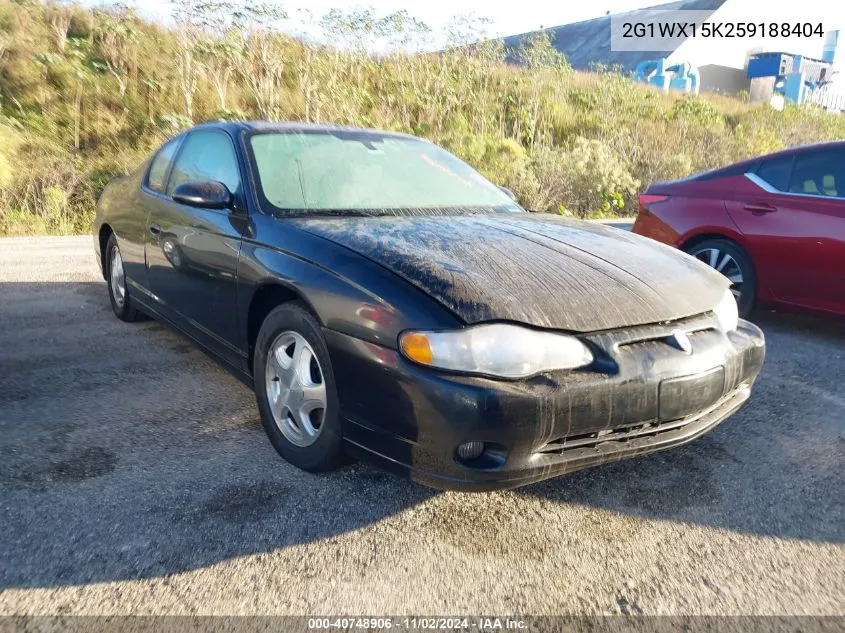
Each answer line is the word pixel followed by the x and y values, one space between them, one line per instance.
pixel 647 199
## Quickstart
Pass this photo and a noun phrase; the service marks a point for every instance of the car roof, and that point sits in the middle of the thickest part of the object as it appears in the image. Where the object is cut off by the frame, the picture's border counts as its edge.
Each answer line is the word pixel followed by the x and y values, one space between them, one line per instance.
pixel 751 163
pixel 294 126
pixel 799 149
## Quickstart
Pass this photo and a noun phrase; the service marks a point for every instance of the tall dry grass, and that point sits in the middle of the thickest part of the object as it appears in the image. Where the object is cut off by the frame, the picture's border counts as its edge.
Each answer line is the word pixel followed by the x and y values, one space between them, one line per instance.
pixel 86 95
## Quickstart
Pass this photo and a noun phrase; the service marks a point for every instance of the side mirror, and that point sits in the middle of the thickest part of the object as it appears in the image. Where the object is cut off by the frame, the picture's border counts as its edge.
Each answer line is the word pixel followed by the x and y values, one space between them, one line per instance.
pixel 510 194
pixel 208 195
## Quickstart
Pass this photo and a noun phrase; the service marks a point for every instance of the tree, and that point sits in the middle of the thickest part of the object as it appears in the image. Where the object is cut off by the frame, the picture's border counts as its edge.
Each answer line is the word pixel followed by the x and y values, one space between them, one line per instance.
pixel 219 56
pixel 117 35
pixel 402 32
pixel 536 51
pixel 260 63
pixel 58 16
pixel 82 73
pixel 219 41
pixel 186 16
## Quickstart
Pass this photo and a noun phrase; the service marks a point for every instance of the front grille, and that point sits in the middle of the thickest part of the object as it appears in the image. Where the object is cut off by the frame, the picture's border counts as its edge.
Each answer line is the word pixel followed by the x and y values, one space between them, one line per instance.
pixel 694 326
pixel 660 339
pixel 632 349
pixel 621 436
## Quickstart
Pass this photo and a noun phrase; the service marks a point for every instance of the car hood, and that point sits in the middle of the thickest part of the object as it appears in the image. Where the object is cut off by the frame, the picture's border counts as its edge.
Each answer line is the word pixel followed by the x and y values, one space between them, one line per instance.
pixel 537 269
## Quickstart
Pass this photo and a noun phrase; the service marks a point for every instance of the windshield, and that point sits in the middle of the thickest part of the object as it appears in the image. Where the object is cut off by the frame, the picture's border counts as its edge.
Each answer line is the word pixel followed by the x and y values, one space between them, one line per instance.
pixel 360 171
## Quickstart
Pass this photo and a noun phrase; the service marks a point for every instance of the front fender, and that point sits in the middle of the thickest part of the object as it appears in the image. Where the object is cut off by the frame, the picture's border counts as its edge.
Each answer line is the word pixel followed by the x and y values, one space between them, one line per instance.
pixel 348 293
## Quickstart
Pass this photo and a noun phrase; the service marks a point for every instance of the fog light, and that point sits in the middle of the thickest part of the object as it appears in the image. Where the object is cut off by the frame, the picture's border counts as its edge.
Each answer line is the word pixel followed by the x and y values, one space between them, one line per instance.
pixel 470 450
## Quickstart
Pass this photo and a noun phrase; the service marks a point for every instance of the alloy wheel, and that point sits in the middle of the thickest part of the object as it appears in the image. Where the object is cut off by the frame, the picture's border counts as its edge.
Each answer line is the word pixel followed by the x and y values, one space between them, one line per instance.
pixel 118 279
pixel 724 263
pixel 296 388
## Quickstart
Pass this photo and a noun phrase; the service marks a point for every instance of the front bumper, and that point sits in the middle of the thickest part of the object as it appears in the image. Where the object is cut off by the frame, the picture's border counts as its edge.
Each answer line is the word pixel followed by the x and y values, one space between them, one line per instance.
pixel 641 395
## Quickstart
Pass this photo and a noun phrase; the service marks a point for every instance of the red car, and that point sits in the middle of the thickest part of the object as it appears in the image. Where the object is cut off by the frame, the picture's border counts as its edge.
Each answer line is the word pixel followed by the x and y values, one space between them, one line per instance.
pixel 774 225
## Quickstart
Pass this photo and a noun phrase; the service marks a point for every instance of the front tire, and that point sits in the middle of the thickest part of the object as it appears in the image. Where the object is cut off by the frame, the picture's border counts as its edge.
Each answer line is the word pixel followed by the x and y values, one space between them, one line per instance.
pixel 121 302
pixel 733 262
pixel 295 390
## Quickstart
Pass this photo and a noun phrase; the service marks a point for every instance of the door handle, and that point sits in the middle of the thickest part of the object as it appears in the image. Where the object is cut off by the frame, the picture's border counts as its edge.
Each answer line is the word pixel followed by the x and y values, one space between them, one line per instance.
pixel 155 229
pixel 760 209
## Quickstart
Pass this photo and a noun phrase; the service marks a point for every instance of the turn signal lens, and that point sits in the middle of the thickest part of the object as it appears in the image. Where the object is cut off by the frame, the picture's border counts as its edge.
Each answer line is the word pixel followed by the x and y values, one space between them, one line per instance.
pixel 496 349
pixel 417 348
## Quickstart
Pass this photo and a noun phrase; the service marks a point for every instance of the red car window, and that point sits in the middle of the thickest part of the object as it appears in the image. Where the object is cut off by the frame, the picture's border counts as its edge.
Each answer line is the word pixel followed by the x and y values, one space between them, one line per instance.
pixel 776 172
pixel 819 174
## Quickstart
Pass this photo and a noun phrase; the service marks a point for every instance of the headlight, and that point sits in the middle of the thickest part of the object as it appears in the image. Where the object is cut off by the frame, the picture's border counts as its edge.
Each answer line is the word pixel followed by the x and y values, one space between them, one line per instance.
pixel 497 349
pixel 727 312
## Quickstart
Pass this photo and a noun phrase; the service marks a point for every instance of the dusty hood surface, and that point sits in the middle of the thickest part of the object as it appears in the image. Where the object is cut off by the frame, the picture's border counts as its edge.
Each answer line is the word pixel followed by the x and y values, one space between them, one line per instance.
pixel 532 268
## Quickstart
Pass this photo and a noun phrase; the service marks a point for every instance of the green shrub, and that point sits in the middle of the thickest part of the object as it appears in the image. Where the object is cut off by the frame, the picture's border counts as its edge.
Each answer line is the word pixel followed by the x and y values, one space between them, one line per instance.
pixel 588 179
pixel 17 222
pixel 697 110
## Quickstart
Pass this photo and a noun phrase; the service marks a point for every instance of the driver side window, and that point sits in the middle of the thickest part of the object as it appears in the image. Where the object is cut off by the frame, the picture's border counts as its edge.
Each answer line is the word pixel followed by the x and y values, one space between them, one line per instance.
pixel 206 155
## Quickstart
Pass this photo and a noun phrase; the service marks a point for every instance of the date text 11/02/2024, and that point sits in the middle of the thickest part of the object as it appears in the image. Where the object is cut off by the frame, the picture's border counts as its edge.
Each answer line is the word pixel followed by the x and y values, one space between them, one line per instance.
pixel 480 624
pixel 721 29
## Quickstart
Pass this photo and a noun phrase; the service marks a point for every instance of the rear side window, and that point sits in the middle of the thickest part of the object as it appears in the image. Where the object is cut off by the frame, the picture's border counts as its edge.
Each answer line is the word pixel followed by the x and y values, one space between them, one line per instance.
pixel 206 156
pixel 776 172
pixel 161 163
pixel 819 174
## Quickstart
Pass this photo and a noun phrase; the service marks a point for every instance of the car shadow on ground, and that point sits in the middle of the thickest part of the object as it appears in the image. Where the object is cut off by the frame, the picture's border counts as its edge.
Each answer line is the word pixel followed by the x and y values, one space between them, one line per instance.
pixel 126 453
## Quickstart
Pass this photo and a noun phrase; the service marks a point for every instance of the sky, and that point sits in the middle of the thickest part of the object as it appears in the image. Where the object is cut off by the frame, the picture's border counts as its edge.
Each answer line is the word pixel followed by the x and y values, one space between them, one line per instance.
pixel 508 17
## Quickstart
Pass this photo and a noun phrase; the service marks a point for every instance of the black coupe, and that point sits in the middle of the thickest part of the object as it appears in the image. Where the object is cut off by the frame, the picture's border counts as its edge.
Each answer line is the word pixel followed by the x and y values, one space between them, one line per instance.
pixel 387 301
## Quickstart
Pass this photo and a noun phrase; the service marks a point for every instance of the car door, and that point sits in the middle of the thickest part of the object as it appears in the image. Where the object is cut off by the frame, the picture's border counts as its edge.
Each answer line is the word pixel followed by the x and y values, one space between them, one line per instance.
pixel 794 225
pixel 131 213
pixel 816 199
pixel 192 252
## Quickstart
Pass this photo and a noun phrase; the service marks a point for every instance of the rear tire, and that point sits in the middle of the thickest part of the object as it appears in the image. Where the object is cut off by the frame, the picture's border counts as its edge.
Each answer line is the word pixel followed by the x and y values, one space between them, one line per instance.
pixel 731 260
pixel 296 391
pixel 121 302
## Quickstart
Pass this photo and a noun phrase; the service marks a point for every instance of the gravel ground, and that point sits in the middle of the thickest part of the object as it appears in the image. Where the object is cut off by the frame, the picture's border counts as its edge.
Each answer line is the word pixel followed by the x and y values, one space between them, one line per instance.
pixel 135 478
